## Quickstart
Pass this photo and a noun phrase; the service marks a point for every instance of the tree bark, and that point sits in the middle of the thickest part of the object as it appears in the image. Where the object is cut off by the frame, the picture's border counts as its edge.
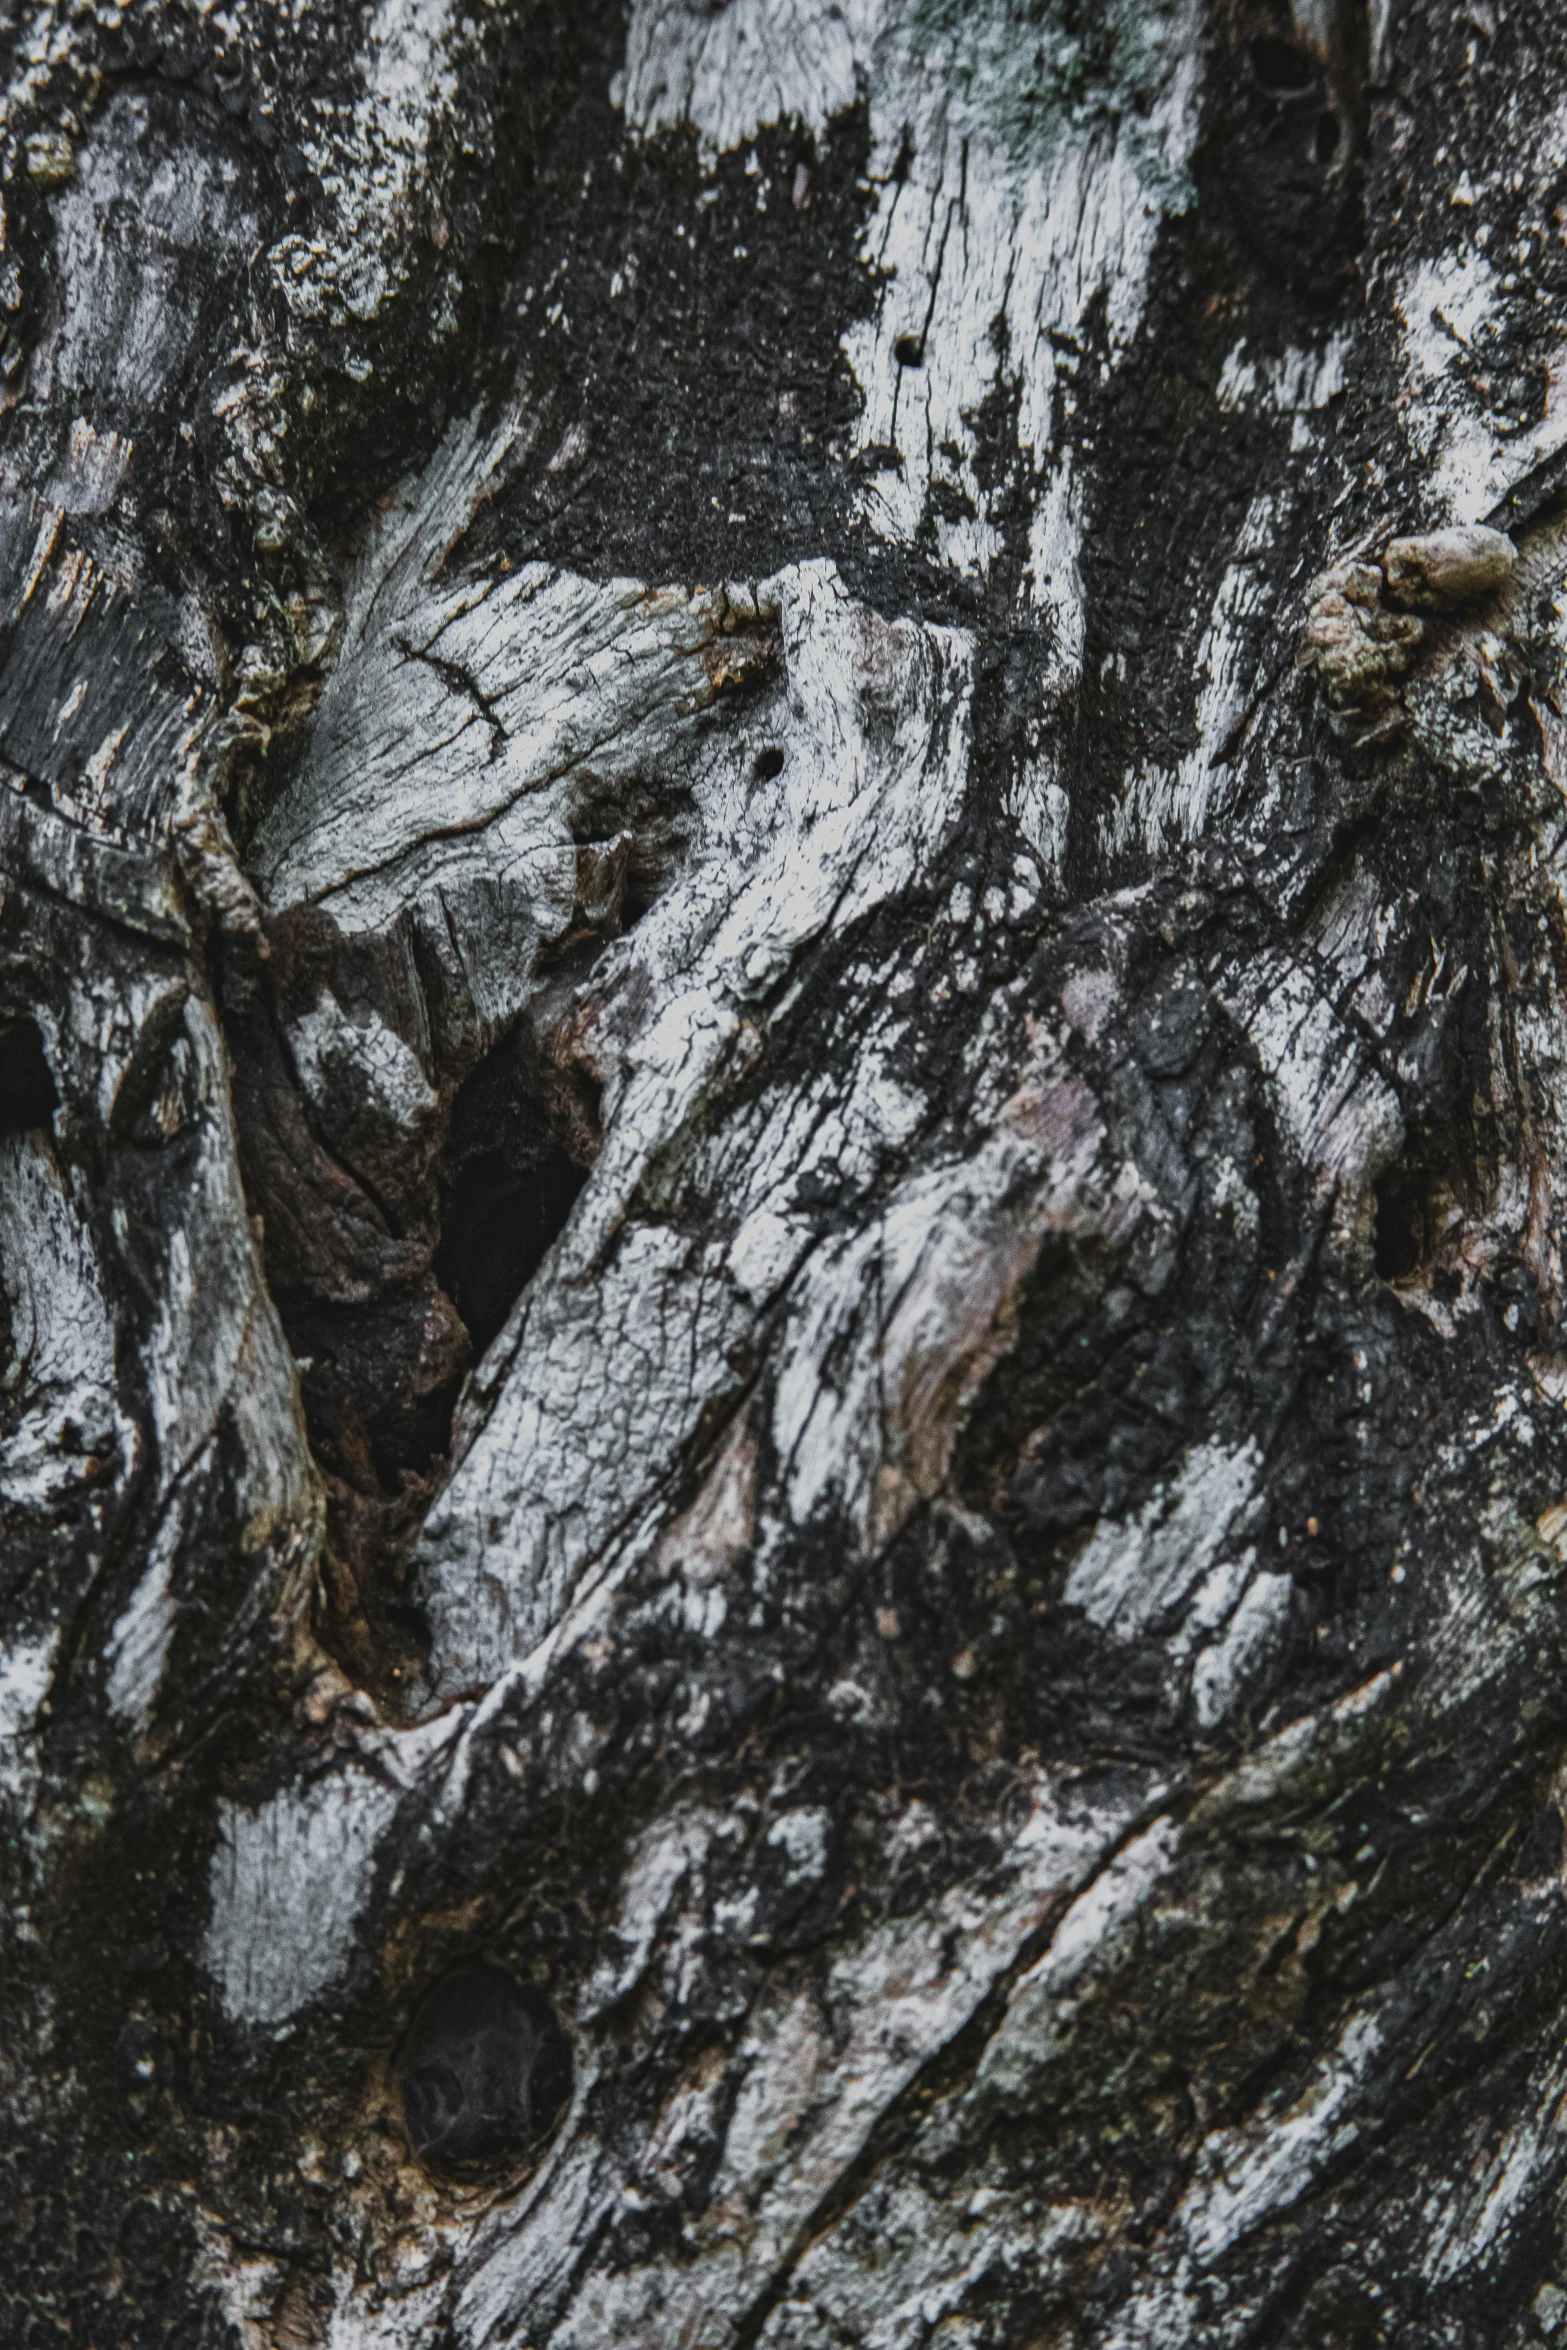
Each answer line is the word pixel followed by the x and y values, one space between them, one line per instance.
pixel 783 1031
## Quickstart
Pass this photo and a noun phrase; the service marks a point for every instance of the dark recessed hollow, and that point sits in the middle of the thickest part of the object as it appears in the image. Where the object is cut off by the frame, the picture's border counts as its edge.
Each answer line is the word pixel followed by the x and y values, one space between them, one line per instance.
pixel 768 764
pixel 1327 137
pixel 27 1095
pixel 508 1189
pixel 1280 69
pixel 500 1220
pixel 383 1376
pixel 909 350
pixel 485 2069
pixel 1400 1231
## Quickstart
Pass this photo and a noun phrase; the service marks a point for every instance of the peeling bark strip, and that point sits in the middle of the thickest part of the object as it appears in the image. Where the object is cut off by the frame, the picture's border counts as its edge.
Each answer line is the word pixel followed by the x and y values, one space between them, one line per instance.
pixel 783 1021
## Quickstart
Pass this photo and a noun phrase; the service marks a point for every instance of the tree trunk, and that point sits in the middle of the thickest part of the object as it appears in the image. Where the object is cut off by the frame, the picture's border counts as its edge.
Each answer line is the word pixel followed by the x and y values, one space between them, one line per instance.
pixel 783 1067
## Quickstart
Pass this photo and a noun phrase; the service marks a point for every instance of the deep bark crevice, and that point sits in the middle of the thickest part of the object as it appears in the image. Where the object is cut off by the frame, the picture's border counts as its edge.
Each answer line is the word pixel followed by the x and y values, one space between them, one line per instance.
pixel 27 1089
pixel 508 1182
pixel 394 1261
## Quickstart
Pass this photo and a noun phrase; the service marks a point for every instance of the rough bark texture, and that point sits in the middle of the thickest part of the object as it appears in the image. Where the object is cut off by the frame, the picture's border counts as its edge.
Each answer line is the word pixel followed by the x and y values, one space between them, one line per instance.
pixel 783 1058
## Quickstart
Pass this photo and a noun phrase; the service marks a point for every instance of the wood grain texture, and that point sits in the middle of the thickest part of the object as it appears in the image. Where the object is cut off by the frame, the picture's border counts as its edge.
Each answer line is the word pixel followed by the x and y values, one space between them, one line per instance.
pixel 783 794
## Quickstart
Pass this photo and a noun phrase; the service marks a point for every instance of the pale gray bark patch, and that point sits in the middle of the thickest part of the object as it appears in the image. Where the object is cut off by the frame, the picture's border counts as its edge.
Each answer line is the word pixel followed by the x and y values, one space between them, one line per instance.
pixel 988 1627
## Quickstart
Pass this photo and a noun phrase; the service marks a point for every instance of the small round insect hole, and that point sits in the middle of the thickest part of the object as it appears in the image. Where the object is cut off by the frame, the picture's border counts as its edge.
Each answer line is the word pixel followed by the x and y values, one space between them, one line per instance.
pixel 485 2069
pixel 767 764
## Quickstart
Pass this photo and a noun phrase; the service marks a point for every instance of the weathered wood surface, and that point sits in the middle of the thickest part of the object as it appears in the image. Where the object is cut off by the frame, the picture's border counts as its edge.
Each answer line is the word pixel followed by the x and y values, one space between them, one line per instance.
pixel 783 796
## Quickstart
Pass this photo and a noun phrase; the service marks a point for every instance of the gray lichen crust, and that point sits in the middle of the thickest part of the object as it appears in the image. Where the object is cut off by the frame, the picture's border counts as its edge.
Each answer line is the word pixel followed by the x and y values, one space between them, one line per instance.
pixel 783 1489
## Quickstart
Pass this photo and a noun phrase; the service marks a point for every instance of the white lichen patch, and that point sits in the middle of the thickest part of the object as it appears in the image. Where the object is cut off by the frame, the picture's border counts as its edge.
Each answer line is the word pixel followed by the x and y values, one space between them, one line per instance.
pixel 987 212
pixel 1096 1934
pixel 216 1349
pixel 66 1426
pixel 1341 1114
pixel 1451 308
pixel 731 69
pixel 661 1867
pixel 1295 382
pixel 888 2277
pixel 26 1668
pixel 1129 1574
pixel 1226 1671
pixel 1159 809
pixel 376 166
pixel 186 200
pixel 138 1645
pixel 287 1885
pixel 1018 198
pixel 873 726
pixel 1244 2176
pixel 466 721
pixel 361 1059
pixel 914 1310
pixel 907 2258
pixel 819 2070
